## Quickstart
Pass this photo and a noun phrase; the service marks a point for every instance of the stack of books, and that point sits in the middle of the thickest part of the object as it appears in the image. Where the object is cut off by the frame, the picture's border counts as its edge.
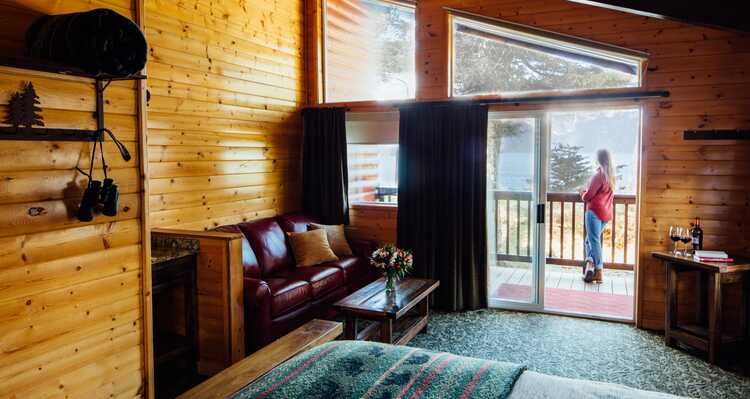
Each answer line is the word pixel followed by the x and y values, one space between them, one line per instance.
pixel 712 256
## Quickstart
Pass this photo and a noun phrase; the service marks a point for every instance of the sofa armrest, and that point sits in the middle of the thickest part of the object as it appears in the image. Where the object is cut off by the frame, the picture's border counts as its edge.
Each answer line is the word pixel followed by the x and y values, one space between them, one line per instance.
pixel 256 293
pixel 363 248
pixel 258 325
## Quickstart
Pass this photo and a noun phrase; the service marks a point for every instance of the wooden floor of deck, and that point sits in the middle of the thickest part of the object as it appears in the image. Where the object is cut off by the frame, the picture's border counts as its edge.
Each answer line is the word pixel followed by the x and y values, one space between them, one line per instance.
pixel 618 282
pixel 566 292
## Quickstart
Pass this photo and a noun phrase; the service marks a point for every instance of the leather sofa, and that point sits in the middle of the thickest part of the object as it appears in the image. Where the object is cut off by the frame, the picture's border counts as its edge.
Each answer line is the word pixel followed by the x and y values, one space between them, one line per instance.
pixel 279 296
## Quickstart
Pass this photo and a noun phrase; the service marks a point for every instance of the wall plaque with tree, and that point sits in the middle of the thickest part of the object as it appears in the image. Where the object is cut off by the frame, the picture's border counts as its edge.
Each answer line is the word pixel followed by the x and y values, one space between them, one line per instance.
pixel 22 108
pixel 24 115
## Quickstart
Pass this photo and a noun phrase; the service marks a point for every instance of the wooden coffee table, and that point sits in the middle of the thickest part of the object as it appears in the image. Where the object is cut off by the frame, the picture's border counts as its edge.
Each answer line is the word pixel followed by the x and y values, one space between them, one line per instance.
pixel 397 316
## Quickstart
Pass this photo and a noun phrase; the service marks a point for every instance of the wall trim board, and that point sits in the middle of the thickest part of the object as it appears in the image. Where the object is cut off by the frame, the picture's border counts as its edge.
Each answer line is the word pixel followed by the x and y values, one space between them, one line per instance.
pixel 146 285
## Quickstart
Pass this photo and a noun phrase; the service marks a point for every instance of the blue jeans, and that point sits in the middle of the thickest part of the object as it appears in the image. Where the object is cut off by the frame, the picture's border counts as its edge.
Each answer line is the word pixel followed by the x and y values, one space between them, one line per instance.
pixel 594 227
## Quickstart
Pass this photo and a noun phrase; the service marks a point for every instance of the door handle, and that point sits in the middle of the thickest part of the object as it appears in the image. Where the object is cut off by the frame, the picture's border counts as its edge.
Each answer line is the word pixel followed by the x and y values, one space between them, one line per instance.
pixel 540 208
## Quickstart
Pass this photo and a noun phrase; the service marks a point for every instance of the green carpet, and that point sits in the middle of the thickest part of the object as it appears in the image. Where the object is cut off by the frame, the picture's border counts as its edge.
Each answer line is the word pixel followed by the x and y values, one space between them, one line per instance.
pixel 578 348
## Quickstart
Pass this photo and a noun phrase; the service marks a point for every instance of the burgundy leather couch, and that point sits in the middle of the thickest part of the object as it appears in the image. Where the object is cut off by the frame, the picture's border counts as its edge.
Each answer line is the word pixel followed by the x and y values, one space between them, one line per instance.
pixel 279 296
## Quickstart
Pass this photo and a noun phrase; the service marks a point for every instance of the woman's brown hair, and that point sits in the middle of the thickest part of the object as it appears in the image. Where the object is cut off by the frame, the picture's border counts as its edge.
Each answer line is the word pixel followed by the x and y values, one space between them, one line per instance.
pixel 604 159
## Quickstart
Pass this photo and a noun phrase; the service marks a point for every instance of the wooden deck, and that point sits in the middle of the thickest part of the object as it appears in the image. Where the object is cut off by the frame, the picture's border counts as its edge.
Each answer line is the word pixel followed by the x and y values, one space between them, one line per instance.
pixel 618 282
pixel 566 292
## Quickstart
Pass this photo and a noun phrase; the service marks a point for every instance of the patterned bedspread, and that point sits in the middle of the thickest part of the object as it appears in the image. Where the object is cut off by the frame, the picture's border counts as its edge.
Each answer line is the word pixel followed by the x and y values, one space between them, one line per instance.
pixel 357 369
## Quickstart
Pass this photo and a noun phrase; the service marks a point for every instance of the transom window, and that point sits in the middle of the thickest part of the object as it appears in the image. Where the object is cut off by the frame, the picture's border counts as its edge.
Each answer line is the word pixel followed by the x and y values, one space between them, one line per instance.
pixel 369 50
pixel 490 59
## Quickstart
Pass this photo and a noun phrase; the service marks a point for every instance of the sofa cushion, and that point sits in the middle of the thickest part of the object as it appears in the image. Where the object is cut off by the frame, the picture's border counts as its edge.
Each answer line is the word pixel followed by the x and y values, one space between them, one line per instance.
pixel 353 267
pixel 288 293
pixel 295 222
pixel 269 244
pixel 249 260
pixel 311 248
pixel 336 238
pixel 323 279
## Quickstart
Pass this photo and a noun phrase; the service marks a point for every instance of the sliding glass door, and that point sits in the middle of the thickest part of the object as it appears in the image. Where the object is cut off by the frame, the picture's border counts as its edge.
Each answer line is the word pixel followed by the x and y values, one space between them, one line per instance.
pixel 515 209
pixel 537 163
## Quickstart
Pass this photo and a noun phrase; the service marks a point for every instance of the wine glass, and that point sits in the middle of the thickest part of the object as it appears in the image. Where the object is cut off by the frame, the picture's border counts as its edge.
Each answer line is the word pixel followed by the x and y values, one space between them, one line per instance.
pixel 675 233
pixel 685 238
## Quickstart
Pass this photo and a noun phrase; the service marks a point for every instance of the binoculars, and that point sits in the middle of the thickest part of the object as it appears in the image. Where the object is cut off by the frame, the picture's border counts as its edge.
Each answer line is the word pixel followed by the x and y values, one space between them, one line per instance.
pixel 99 196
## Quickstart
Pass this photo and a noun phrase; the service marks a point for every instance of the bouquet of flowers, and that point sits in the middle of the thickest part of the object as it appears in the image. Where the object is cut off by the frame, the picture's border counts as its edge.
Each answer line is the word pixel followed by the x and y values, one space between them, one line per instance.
pixel 395 263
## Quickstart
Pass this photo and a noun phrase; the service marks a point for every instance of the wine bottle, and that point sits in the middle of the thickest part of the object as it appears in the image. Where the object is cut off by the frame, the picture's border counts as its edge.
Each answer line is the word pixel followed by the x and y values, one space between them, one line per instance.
pixel 697 233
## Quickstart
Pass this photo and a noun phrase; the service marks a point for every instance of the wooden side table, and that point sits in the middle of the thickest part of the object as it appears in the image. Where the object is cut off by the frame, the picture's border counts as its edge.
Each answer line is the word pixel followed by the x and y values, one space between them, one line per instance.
pixel 707 336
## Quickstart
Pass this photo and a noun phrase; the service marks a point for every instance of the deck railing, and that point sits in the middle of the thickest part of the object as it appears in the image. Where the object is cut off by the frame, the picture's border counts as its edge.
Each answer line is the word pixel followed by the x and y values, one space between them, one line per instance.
pixel 565 229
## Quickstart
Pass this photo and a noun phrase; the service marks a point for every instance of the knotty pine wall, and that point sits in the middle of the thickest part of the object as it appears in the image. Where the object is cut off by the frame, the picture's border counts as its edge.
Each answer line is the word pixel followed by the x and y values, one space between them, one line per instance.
pixel 373 222
pixel 71 318
pixel 227 83
pixel 708 73
pixel 225 79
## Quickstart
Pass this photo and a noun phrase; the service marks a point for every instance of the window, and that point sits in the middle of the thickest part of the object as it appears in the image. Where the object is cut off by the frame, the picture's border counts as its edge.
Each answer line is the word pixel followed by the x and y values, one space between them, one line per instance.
pixel 490 59
pixel 373 173
pixel 369 50
pixel 372 156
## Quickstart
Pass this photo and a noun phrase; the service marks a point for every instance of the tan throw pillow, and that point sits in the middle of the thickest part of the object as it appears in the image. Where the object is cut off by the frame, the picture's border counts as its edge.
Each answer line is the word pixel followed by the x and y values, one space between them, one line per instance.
pixel 311 248
pixel 336 238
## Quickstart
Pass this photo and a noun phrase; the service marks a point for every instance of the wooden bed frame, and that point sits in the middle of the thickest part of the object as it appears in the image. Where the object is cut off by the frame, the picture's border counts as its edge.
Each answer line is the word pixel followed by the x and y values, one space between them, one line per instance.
pixel 240 374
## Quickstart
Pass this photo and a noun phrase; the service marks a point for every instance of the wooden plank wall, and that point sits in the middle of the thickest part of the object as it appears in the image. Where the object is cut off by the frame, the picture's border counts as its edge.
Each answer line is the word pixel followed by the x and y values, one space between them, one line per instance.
pixel 373 222
pixel 70 292
pixel 707 72
pixel 226 80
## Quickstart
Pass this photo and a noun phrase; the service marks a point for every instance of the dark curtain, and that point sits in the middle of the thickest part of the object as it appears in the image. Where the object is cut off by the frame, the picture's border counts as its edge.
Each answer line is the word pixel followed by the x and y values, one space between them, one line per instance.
pixel 442 199
pixel 325 182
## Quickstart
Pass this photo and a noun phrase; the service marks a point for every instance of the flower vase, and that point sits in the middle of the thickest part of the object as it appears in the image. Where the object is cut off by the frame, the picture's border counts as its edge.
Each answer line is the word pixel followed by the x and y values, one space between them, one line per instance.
pixel 390 284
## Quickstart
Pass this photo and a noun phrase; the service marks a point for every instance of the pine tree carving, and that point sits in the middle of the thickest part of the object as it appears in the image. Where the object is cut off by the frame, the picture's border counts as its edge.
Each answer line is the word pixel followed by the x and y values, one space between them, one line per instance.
pixel 23 110
pixel 15 110
pixel 31 111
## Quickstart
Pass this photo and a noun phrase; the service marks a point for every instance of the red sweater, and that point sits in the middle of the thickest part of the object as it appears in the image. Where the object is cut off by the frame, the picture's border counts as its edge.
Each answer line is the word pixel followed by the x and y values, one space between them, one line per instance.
pixel 599 197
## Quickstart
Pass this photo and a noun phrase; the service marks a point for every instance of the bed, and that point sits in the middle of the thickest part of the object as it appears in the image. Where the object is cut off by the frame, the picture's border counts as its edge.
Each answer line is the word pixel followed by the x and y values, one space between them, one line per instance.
pixel 325 368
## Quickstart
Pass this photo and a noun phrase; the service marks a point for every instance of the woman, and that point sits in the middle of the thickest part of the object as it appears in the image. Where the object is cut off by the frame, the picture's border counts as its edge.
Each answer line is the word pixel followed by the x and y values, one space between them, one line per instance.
pixel 598 198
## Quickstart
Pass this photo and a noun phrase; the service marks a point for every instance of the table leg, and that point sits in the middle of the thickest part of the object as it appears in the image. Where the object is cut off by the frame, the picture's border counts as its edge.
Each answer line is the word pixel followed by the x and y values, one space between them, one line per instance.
pixel 744 288
pixel 350 327
pixel 424 311
pixel 670 314
pixel 386 331
pixel 701 297
pixel 714 318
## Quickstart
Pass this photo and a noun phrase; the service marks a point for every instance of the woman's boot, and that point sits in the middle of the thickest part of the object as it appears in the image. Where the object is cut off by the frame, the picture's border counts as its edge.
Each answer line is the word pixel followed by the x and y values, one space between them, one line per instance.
pixel 599 276
pixel 588 273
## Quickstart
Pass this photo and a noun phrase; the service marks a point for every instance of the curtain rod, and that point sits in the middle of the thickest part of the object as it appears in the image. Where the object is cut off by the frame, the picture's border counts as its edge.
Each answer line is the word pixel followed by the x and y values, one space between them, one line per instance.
pixel 553 98
pixel 640 95
pixel 580 97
